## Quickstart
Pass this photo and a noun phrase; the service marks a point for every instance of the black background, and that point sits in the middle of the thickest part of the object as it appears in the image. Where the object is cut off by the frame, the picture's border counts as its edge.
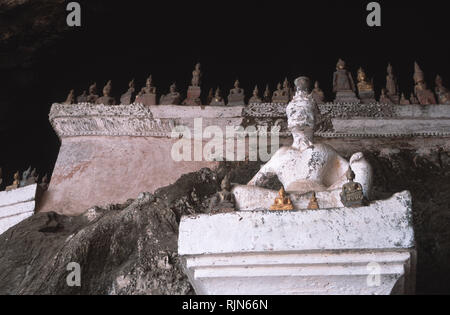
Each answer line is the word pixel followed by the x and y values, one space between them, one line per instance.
pixel 258 42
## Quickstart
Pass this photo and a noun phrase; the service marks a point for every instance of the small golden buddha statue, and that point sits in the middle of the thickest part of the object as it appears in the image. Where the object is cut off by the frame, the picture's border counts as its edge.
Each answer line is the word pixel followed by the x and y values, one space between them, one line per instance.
pixel 313 204
pixel 282 203
pixel 363 84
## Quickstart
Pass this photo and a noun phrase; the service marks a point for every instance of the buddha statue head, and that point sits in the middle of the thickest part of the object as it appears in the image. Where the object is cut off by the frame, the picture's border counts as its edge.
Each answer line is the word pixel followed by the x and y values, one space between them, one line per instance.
pixel 301 114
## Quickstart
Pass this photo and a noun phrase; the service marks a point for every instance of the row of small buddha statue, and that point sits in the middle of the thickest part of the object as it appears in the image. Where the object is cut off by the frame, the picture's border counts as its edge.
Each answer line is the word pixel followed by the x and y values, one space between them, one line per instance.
pixel 29 177
pixel 343 86
pixel 345 89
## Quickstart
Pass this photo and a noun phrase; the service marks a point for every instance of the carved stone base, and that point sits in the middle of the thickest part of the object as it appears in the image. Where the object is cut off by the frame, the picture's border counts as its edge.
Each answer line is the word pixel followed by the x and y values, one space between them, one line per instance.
pixel 146 99
pixel 193 96
pixel 351 251
pixel 346 97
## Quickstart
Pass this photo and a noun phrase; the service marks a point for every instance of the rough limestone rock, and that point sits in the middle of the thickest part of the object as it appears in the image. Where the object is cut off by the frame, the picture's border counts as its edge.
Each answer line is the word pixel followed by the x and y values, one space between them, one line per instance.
pixel 122 249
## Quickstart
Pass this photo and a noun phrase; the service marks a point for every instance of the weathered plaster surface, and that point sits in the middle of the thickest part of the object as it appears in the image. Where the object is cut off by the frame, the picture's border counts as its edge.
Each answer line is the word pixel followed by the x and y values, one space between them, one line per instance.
pixel 107 170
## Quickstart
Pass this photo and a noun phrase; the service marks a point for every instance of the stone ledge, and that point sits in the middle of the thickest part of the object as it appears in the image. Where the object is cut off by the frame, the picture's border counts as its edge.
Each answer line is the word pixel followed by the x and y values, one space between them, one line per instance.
pixel 302 252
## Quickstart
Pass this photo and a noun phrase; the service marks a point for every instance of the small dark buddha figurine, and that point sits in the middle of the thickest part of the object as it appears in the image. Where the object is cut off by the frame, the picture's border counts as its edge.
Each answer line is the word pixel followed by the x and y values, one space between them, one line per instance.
pixel 317 94
pixel 391 85
pixel 352 195
pixel 442 92
pixel 342 79
pixel 92 97
pixel 128 96
pixel 267 96
pixel 236 96
pixel 196 75
pixel 255 99
pixel 210 96
pixel 70 98
pixel 223 201
pixel 313 204
pixel 172 98
pixel 424 95
pixel 107 99
pixel 404 100
pixel 82 98
pixel 282 202
pixel 280 96
pixel 217 99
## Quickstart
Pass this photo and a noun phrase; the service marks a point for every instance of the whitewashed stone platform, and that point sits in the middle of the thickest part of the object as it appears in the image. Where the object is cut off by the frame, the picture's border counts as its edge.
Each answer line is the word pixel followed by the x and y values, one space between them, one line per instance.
pixel 340 251
pixel 16 206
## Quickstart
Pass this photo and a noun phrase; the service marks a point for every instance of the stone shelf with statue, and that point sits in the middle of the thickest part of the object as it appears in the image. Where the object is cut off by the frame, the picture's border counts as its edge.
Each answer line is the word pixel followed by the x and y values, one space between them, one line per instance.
pixel 318 234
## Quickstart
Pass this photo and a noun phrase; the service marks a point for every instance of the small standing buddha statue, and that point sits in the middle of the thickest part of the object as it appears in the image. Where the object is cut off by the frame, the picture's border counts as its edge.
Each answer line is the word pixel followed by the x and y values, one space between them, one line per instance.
pixel 282 202
pixel 352 194
pixel 223 201
pixel 236 96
